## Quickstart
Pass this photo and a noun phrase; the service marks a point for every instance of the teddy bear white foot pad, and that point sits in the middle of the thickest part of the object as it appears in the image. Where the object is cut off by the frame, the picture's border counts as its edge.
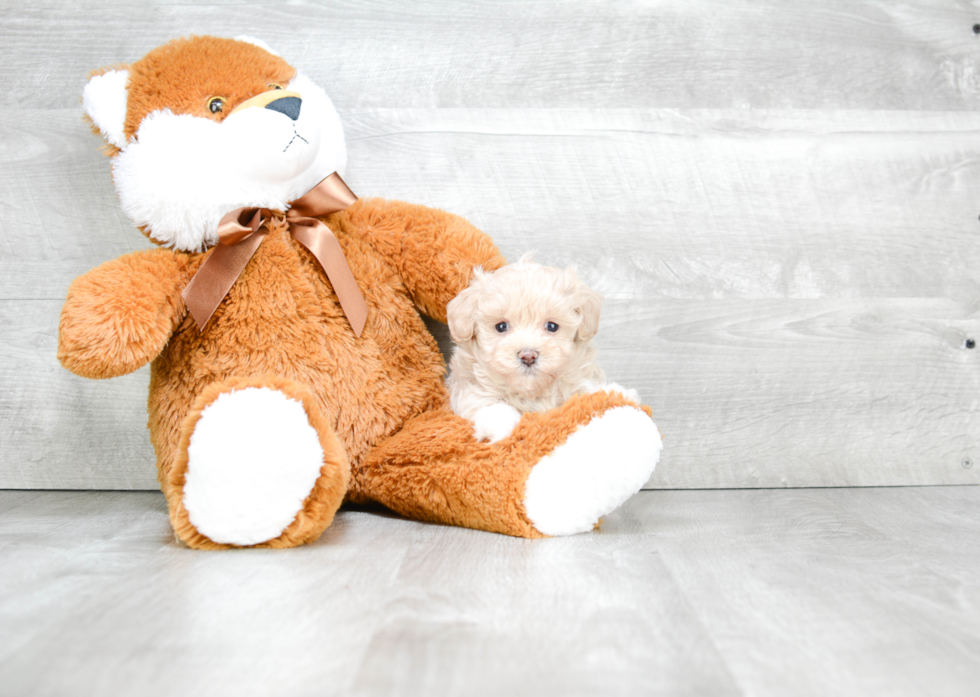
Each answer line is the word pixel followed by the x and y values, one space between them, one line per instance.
pixel 592 473
pixel 252 461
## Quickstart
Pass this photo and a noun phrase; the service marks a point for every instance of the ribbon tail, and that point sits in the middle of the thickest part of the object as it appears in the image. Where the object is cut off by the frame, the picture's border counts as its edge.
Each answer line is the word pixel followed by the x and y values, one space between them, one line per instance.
pixel 322 243
pixel 217 275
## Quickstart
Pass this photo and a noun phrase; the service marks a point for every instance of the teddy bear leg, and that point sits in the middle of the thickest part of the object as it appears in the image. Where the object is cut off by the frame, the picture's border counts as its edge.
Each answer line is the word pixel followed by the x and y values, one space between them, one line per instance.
pixel 257 465
pixel 557 473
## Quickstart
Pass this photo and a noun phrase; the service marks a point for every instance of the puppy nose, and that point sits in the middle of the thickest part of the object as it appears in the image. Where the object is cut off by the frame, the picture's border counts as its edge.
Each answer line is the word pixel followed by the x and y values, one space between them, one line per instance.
pixel 528 356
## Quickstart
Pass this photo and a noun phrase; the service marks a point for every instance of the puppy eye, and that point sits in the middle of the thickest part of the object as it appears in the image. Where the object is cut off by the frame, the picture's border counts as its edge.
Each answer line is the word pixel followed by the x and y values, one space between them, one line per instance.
pixel 501 327
pixel 551 327
pixel 216 104
pixel 275 86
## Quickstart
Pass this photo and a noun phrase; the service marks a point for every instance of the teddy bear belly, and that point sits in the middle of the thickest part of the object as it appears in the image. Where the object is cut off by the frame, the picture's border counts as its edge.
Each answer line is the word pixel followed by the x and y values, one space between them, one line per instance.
pixel 366 387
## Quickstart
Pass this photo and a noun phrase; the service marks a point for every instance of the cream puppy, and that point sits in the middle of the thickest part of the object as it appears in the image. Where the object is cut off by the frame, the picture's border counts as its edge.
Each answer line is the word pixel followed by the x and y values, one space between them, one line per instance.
pixel 523 343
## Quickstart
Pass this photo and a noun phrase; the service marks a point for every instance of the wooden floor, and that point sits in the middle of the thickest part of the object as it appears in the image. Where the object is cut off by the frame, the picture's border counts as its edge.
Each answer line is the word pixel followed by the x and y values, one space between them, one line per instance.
pixel 739 592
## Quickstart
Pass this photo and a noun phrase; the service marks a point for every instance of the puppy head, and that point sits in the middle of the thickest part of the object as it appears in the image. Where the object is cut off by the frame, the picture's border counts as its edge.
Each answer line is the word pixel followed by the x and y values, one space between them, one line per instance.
pixel 525 323
pixel 203 125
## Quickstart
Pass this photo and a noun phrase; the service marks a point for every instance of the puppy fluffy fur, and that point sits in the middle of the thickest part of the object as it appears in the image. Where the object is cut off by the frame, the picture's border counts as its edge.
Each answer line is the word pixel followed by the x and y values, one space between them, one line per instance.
pixel 523 344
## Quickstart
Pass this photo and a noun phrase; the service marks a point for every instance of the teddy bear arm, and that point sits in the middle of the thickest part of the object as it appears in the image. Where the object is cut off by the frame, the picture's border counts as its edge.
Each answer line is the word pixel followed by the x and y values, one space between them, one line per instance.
pixel 434 251
pixel 120 315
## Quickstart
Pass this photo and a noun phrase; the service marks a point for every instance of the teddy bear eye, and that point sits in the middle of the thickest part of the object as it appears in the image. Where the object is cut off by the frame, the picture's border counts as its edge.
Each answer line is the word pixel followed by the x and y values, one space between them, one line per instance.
pixel 551 327
pixel 216 104
pixel 276 86
pixel 501 327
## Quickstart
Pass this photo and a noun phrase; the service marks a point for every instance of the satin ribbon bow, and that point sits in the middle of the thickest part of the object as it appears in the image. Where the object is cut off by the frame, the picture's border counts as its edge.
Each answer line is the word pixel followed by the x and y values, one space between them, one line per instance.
pixel 240 233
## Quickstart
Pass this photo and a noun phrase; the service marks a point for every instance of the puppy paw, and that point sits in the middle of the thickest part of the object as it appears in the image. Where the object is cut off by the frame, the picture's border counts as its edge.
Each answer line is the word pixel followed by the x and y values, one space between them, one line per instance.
pixel 495 422
pixel 631 395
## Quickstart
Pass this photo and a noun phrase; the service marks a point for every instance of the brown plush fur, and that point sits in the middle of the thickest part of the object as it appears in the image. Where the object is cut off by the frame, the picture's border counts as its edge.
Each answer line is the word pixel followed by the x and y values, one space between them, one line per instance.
pixel 434 470
pixel 185 74
pixel 120 315
pixel 377 402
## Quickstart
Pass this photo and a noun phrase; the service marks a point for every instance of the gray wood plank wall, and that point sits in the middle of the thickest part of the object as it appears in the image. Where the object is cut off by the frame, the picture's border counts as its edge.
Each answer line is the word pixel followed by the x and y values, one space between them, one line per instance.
pixel 780 203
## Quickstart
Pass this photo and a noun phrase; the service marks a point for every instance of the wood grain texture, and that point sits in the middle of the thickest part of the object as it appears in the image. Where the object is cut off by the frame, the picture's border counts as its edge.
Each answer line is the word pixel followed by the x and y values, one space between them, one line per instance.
pixel 850 592
pixel 779 205
pixel 802 393
pixel 708 54
pixel 60 431
pixel 857 592
pixel 705 204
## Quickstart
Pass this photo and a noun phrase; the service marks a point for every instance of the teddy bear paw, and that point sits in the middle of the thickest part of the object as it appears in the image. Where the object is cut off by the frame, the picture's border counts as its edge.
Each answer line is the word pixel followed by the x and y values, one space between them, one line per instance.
pixel 593 472
pixel 253 458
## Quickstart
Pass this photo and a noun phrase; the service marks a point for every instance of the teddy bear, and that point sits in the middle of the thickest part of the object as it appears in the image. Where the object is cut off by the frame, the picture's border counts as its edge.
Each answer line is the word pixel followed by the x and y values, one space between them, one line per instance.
pixel 290 368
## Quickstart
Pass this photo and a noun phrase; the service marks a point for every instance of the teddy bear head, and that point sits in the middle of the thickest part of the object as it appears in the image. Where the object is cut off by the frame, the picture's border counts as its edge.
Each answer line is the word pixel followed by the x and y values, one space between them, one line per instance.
pixel 203 125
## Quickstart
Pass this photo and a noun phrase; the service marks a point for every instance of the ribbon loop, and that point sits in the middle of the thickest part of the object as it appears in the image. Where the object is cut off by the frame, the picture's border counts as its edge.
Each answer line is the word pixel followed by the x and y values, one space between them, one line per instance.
pixel 239 224
pixel 329 196
pixel 241 231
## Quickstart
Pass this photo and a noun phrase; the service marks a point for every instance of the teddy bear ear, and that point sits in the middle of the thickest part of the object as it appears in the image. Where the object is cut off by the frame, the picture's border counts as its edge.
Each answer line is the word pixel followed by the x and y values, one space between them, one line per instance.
pixel 256 42
pixel 104 100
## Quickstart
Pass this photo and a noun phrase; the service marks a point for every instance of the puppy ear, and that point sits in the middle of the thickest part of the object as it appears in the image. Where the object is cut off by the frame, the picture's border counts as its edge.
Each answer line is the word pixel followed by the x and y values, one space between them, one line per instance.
pixel 589 307
pixel 461 314
pixel 104 99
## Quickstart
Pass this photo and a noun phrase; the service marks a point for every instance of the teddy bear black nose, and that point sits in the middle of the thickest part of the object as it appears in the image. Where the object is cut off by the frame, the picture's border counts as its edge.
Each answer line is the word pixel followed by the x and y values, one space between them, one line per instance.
pixel 286 105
